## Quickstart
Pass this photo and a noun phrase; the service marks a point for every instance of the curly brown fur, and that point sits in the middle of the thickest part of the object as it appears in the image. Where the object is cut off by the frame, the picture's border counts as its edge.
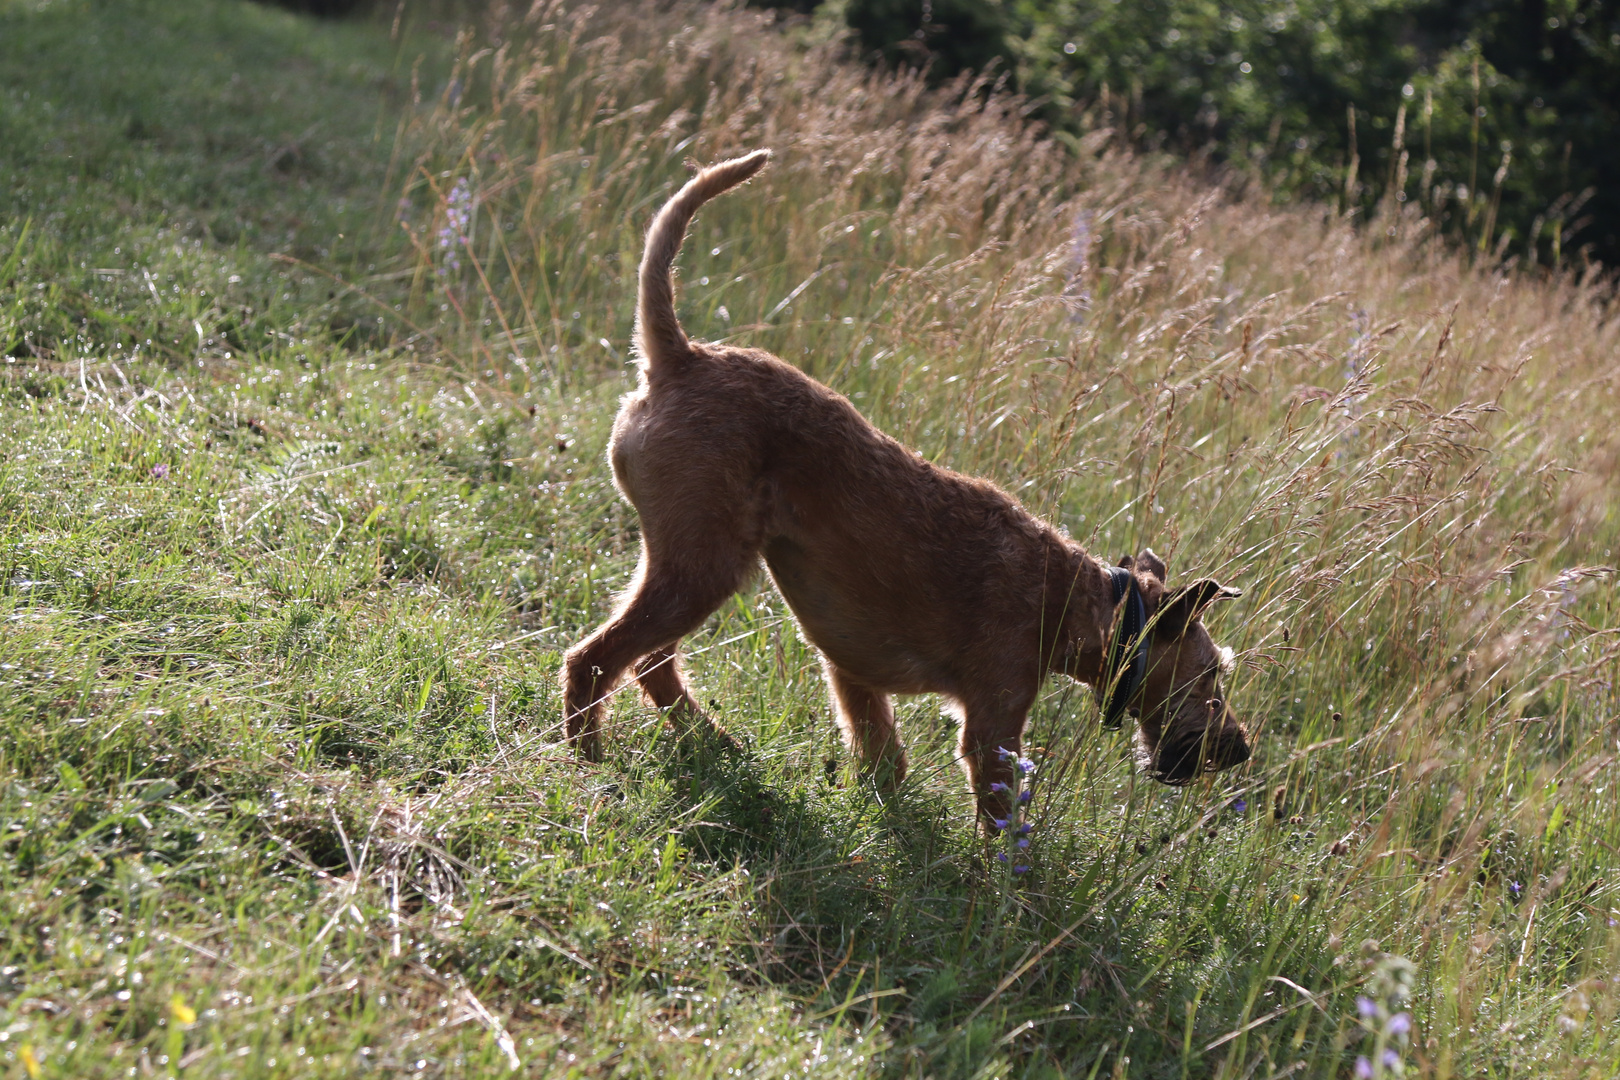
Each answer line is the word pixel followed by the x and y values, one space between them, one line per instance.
pixel 907 577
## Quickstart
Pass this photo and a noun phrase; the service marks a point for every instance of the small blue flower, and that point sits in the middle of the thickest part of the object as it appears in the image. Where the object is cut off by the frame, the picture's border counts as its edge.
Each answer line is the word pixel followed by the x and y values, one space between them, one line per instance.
pixel 1020 869
pixel 1363 1068
pixel 1400 1023
pixel 1392 1060
pixel 1001 856
pixel 999 823
pixel 1005 754
pixel 1367 1007
pixel 1240 805
pixel 999 788
pixel 1023 842
pixel 1024 796
pixel 1515 886
pixel 1024 830
pixel 1025 766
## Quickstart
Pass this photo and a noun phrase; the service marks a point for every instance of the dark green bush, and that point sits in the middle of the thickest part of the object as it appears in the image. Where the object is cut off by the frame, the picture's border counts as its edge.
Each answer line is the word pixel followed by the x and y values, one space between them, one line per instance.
pixel 1493 115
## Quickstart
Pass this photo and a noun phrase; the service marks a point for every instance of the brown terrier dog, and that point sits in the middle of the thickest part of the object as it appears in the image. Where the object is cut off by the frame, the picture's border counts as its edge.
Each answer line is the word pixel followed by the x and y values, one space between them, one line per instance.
pixel 908 578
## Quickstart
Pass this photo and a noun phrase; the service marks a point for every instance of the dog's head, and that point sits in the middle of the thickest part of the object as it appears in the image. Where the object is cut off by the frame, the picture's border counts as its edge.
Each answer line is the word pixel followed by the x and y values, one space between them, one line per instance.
pixel 1186 725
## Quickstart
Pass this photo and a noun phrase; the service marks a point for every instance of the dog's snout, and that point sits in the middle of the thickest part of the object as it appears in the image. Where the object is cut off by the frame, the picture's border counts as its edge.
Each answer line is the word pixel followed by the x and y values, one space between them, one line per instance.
pixel 1231 741
pixel 1213 742
pixel 1232 748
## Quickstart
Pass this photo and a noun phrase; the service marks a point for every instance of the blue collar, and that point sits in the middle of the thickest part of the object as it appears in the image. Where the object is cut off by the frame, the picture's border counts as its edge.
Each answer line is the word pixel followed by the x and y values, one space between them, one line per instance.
pixel 1127 651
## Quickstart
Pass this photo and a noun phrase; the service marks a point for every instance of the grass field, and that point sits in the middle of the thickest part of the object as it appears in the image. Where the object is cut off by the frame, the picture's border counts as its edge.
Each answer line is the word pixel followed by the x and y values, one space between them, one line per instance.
pixel 313 336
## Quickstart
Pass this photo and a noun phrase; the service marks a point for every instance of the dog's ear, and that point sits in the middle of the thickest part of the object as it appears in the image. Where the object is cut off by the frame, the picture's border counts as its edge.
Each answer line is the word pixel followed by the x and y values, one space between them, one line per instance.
pixel 1149 570
pixel 1183 607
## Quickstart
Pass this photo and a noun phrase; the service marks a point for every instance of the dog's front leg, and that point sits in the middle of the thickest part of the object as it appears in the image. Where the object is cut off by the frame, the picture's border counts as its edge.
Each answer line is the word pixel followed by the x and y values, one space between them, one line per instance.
pixel 992 735
pixel 866 718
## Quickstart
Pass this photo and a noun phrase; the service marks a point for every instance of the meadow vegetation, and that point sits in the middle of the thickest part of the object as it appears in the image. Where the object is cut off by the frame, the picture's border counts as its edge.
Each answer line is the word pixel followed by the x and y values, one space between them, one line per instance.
pixel 313 334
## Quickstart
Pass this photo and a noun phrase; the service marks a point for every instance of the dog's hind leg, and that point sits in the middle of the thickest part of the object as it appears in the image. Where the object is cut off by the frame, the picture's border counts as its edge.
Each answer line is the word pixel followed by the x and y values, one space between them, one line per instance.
pixel 664 604
pixel 661 679
pixel 867 720
pixel 663 685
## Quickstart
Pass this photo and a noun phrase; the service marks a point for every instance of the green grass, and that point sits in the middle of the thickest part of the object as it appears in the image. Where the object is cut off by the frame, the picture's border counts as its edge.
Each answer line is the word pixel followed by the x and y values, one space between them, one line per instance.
pixel 295 529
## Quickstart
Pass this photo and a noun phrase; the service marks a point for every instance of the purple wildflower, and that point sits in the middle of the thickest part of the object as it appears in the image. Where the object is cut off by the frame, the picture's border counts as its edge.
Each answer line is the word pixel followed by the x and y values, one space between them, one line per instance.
pixel 1023 842
pixel 457 217
pixel 1367 1007
pixel 1020 869
pixel 1001 856
pixel 999 823
pixel 1363 1068
pixel 1240 805
pixel 1077 292
pixel 1392 1060
pixel 1400 1023
pixel 1005 754
pixel 1023 797
pixel 1024 830
pixel 1025 766
pixel 1515 886
pixel 999 788
pixel 160 470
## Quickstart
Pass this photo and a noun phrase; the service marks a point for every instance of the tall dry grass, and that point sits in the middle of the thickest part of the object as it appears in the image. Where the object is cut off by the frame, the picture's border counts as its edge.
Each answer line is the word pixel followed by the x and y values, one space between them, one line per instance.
pixel 1406 457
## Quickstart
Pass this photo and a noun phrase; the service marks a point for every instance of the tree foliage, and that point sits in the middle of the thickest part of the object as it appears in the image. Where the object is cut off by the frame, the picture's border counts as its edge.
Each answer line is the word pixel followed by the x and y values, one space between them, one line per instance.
pixel 1496 116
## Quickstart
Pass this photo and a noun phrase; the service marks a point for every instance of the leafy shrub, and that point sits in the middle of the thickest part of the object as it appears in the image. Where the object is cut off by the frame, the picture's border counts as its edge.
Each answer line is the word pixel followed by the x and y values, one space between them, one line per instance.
pixel 1491 116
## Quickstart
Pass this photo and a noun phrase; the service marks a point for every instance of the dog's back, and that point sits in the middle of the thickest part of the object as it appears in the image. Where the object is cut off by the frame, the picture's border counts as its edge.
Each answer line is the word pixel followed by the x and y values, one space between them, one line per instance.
pixel 891 564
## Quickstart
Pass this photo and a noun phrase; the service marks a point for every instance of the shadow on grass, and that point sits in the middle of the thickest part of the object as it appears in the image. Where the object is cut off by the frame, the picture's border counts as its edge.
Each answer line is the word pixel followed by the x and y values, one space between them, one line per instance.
pixel 889 910
pixel 843 872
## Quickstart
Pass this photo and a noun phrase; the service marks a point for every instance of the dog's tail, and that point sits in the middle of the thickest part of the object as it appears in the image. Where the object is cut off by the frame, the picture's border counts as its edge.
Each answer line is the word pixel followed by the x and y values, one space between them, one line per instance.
pixel 659 336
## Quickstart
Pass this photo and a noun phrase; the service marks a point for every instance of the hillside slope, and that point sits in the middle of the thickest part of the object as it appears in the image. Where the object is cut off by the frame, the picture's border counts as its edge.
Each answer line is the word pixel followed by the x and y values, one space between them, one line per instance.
pixel 295 528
